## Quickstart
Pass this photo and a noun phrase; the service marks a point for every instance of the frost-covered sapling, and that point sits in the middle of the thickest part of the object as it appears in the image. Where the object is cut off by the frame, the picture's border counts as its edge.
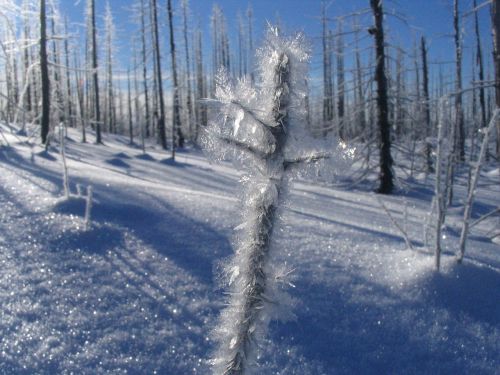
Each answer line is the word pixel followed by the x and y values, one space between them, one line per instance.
pixel 265 128
pixel 62 146
pixel 88 208
pixel 473 184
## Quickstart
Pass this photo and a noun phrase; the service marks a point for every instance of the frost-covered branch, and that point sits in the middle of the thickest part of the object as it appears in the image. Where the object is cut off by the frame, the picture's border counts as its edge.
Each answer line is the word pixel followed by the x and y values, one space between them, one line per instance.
pixel 305 160
pixel 275 140
pixel 244 147
pixel 484 217
pixel 473 184
pixel 404 233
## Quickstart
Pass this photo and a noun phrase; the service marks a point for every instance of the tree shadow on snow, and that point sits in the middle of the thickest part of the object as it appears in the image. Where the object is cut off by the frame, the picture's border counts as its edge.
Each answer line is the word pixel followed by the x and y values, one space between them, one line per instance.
pixel 356 326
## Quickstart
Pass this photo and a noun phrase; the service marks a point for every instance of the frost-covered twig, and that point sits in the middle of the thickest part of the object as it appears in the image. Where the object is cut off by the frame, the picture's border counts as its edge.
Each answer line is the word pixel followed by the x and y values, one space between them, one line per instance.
pixel 304 160
pixel 63 159
pixel 484 217
pixel 88 208
pixel 268 144
pixel 404 233
pixel 440 193
pixel 244 147
pixel 473 184
pixel 4 137
pixel 250 277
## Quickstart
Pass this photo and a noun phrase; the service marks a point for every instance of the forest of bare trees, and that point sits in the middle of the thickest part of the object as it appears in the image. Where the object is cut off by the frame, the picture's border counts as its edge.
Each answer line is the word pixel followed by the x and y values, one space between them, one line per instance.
pixel 370 91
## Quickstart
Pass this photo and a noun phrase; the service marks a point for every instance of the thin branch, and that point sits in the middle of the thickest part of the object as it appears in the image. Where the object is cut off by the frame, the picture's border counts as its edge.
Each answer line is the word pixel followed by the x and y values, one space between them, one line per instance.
pixel 484 217
pixel 395 223
pixel 242 146
pixel 306 160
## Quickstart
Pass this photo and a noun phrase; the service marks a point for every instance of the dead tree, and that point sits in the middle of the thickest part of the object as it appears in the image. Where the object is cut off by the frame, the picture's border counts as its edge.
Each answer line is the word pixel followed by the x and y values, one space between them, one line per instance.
pixel 69 95
pixel 177 136
pixel 386 175
pixel 327 75
pixel 426 105
pixel 201 86
pixel 189 93
pixel 147 118
pixel 159 81
pixel 110 108
pixel 340 82
pixel 44 70
pixel 460 142
pixel 495 21
pixel 250 43
pixel 270 142
pixel 95 77
pixel 360 97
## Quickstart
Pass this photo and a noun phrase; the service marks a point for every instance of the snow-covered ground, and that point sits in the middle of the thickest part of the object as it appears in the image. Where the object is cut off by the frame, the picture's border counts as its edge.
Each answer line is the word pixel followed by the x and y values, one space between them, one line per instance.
pixel 137 291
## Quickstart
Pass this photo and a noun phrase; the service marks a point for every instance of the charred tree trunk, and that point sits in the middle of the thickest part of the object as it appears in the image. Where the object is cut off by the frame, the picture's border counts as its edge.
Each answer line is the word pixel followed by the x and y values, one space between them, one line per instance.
pixel 159 81
pixel 495 21
pixel 95 77
pixel 426 105
pixel 458 84
pixel 44 70
pixel 147 119
pixel 386 174
pixel 480 64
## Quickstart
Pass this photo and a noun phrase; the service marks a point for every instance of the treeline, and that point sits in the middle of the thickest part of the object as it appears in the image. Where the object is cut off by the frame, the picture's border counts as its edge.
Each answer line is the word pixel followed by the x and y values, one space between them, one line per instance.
pixel 369 90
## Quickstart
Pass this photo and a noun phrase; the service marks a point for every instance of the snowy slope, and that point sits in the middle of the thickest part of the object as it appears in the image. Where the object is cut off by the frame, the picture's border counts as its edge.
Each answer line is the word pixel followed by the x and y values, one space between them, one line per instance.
pixel 136 293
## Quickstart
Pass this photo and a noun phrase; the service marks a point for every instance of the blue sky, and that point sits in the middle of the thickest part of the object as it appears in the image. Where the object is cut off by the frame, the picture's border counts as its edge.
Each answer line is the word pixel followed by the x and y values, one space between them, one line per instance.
pixel 431 18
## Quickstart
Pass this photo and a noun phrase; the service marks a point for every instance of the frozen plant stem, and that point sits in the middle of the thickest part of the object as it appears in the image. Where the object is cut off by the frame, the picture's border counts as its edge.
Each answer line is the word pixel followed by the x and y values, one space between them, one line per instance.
pixel 252 285
pixel 473 184
pixel 63 159
pixel 88 207
pixel 439 194
pixel 264 126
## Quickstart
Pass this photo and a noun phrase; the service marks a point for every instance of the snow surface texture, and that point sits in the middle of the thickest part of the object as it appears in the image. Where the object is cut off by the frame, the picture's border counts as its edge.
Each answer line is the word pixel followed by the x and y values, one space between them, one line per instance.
pixel 135 293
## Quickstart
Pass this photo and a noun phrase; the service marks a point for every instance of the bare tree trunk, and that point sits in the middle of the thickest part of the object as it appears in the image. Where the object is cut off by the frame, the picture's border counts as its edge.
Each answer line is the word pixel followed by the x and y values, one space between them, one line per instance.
pixel 188 69
pixel 201 89
pixel 110 94
pixel 69 102
pixel 144 69
pixel 44 70
pixel 80 97
pixel 250 43
pixel 57 77
pixel 427 110
pixel 159 82
pixel 177 136
pixel 95 77
pixel 495 21
pixel 458 83
pixel 340 82
pixel 27 62
pixel 360 108
pixel 398 110
pixel 327 76
pixel 129 106
pixel 242 52
pixel 386 174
